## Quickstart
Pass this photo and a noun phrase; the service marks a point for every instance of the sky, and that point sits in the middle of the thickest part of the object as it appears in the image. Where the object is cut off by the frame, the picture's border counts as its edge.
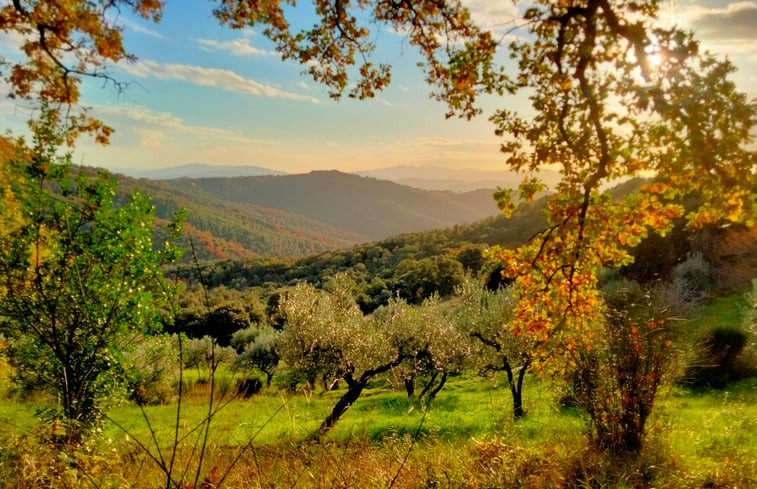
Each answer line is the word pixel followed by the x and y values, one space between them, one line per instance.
pixel 202 93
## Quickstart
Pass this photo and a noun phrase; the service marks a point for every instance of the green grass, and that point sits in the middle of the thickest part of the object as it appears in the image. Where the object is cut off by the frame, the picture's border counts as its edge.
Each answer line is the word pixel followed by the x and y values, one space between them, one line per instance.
pixel 721 311
pixel 16 416
pixel 468 437
pixel 708 436
pixel 708 429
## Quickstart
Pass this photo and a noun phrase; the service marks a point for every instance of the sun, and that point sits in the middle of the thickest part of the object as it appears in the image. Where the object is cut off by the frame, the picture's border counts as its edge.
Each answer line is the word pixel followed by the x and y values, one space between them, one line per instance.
pixel 655 60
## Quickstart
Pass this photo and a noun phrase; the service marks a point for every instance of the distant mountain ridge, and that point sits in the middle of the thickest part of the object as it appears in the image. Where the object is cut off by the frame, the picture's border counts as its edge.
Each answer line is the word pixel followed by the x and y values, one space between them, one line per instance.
pixel 372 208
pixel 197 170
pixel 299 215
pixel 422 177
pixel 455 179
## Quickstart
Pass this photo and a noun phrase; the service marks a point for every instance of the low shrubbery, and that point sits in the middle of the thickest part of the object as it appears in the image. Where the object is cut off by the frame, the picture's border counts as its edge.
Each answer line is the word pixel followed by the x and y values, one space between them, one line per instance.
pixel 717 359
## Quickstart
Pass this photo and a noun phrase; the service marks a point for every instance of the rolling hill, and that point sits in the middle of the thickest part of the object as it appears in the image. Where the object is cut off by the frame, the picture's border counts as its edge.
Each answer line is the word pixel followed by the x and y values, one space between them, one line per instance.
pixel 373 209
pixel 226 229
pixel 299 215
pixel 196 170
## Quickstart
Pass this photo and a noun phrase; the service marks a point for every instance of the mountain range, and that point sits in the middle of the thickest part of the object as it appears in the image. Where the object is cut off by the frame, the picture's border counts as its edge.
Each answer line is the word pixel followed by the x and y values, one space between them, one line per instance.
pixel 196 170
pixel 422 177
pixel 298 215
pixel 441 178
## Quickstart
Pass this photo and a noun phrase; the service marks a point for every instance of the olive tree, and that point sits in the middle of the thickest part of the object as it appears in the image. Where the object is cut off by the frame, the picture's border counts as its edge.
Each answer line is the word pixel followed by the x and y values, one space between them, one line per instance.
pixel 498 345
pixel 257 348
pixel 327 334
pixel 428 333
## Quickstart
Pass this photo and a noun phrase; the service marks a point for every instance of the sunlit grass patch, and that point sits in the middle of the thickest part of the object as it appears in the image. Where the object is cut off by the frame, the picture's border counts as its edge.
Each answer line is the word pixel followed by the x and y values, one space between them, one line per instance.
pixel 712 434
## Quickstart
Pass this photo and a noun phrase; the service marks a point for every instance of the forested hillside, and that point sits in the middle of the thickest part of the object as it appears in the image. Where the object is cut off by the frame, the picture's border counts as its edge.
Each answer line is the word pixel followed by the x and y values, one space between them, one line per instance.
pixel 227 229
pixel 299 215
pixel 417 265
pixel 375 209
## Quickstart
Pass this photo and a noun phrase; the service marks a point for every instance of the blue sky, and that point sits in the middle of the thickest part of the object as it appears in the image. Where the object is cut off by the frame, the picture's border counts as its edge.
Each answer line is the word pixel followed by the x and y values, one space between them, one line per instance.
pixel 202 93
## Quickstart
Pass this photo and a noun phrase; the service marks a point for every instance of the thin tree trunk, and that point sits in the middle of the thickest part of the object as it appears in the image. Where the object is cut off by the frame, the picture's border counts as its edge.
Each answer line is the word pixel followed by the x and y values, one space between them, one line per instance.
pixel 409 385
pixel 354 389
pixel 341 407
pixel 428 385
pixel 436 389
pixel 516 389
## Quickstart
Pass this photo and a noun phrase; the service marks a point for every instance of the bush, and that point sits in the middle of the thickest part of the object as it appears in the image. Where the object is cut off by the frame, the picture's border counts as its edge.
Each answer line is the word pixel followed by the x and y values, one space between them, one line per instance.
pixel 153 369
pixel 717 360
pixel 247 388
pixel 692 280
pixel 617 382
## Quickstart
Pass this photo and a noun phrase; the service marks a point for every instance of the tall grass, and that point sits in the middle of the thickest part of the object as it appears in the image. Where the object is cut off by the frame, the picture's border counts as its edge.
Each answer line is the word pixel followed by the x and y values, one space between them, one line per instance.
pixel 467 439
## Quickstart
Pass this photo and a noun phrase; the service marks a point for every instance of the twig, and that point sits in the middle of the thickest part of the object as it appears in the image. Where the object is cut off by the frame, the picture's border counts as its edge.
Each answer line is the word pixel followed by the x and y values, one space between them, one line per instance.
pixel 412 445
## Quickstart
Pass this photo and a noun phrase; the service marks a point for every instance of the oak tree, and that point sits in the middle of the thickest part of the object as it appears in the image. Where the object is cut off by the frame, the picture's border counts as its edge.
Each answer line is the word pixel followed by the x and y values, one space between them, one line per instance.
pixel 63 41
pixel 615 95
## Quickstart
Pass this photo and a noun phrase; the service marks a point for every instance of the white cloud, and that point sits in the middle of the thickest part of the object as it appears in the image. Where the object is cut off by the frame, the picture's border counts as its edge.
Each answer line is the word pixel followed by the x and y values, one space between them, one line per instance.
pixel 493 15
pixel 212 77
pixel 11 43
pixel 729 29
pixel 133 26
pixel 154 127
pixel 238 47
pixel 733 21
pixel 433 142
pixel 146 137
pixel 151 139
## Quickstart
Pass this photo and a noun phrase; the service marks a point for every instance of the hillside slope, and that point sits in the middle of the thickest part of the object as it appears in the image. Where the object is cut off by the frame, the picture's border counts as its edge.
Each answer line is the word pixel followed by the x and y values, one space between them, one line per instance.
pixel 373 209
pixel 299 215
pixel 225 229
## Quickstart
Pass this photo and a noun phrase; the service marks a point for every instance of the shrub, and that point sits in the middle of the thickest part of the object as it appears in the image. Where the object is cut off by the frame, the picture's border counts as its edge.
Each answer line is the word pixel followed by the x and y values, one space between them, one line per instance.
pixel 717 360
pixel 153 369
pixel 204 352
pixel 692 280
pixel 617 382
pixel 257 348
pixel 247 388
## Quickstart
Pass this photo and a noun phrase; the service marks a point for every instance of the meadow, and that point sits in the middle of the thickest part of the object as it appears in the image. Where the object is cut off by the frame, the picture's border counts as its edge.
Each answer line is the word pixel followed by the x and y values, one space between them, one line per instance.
pixel 465 437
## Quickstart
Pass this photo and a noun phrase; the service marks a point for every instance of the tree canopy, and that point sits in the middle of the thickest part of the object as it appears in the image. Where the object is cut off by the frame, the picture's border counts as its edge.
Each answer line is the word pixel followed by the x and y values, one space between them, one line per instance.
pixel 80 279
pixel 615 95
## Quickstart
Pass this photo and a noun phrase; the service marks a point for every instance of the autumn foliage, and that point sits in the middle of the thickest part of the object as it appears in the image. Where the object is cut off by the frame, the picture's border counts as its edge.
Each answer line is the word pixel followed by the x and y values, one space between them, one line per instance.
pixel 614 94
pixel 63 41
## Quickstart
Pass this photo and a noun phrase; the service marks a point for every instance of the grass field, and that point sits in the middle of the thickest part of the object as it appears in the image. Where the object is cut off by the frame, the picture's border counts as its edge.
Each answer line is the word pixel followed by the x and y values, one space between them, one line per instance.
pixel 466 438
pixel 695 439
